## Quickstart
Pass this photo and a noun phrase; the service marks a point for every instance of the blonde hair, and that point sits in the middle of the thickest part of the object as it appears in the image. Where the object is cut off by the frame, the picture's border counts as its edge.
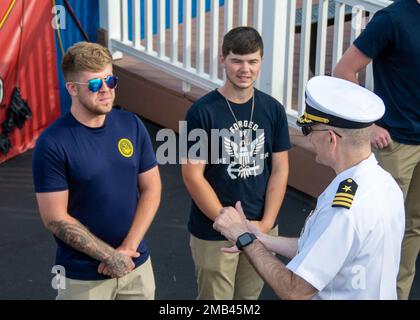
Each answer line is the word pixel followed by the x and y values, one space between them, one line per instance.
pixel 85 56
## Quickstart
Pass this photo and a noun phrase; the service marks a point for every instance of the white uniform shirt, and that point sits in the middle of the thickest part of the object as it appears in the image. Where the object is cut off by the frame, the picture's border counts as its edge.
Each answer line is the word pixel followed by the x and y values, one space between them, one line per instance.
pixel 354 253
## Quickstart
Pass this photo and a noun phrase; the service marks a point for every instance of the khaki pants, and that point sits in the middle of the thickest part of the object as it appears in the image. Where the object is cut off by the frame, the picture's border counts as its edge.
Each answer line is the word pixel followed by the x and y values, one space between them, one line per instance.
pixel 137 285
pixel 403 163
pixel 224 276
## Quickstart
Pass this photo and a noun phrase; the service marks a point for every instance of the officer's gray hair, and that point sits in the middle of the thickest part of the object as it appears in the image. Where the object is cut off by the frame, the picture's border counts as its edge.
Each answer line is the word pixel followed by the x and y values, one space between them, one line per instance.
pixel 355 137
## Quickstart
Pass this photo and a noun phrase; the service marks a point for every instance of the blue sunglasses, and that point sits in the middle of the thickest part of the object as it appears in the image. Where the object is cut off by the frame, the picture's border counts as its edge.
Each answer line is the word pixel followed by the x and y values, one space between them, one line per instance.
pixel 94 85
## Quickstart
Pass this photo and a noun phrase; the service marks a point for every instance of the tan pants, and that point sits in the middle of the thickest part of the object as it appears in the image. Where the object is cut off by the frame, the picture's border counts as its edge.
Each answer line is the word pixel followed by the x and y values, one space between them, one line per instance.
pixel 224 276
pixel 403 163
pixel 137 285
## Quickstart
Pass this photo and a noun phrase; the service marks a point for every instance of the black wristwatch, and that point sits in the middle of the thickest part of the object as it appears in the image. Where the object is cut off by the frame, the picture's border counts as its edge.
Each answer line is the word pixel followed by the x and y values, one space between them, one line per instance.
pixel 244 240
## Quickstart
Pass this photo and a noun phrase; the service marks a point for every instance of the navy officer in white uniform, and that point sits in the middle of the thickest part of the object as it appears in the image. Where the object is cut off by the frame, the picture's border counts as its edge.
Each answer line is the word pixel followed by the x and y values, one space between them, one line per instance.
pixel 350 245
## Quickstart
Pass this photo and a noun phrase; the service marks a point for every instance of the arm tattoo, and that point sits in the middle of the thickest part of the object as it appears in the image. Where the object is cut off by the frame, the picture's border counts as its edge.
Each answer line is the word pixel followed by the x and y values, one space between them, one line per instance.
pixel 80 238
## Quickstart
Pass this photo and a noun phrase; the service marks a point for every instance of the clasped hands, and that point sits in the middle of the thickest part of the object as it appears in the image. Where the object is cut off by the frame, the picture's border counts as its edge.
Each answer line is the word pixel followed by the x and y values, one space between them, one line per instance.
pixel 232 222
pixel 119 263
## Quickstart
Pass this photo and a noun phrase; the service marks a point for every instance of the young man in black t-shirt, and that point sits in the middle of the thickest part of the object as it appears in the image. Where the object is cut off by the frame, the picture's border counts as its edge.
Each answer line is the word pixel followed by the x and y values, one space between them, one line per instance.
pixel 246 161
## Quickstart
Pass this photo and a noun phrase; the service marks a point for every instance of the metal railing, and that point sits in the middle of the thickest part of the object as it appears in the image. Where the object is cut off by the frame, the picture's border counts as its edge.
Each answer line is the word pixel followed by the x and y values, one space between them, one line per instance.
pixel 275 19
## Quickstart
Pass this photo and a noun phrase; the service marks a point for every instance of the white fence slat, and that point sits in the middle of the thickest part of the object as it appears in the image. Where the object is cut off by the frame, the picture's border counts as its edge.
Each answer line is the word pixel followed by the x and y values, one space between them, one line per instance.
pixel 305 45
pixel 149 25
pixel 369 83
pixel 110 18
pixel 200 35
pixel 187 33
pixel 174 31
pixel 136 23
pixel 321 41
pixel 257 21
pixel 228 15
pixel 258 15
pixel 214 40
pixel 274 36
pixel 124 20
pixel 243 12
pixel 290 49
pixel 338 33
pixel 356 22
pixel 162 27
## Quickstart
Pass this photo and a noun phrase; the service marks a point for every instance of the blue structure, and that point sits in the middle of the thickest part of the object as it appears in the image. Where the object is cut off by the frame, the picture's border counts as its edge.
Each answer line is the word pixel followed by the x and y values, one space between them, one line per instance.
pixel 168 14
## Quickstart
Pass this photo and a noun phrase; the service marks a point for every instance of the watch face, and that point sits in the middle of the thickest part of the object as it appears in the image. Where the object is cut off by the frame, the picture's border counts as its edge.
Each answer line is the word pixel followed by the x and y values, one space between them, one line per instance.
pixel 245 238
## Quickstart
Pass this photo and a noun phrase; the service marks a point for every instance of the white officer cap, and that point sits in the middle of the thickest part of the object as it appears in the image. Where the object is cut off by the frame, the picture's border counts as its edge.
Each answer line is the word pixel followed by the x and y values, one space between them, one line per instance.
pixel 340 103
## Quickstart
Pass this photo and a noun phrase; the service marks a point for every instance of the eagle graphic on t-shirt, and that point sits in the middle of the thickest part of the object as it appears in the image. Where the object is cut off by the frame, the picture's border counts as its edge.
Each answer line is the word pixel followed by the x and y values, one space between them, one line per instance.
pixel 244 156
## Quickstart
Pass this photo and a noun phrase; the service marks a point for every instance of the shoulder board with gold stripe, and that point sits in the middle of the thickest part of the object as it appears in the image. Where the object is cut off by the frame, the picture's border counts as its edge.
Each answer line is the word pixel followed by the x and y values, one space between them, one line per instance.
pixel 345 194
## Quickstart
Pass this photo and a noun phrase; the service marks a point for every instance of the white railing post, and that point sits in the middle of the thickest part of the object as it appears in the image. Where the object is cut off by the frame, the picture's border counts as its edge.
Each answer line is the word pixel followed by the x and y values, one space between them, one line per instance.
pixel 124 21
pixel 214 40
pixel 149 25
pixel 228 21
pixel 110 18
pixel 305 44
pixel 174 31
pixel 243 12
pixel 136 23
pixel 162 27
pixel 257 22
pixel 338 33
pixel 289 58
pixel 200 35
pixel 356 22
pixel 186 86
pixel 187 33
pixel 321 41
pixel 274 36
pixel 369 83
pixel 228 15
pixel 258 17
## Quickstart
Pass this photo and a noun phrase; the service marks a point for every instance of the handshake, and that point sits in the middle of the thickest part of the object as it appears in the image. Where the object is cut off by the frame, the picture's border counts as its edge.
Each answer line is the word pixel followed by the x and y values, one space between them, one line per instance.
pixel 232 223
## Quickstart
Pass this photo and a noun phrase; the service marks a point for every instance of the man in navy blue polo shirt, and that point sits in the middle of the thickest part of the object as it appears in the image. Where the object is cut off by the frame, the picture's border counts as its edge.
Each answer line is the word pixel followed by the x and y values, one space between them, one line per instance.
pixel 97 185
pixel 391 41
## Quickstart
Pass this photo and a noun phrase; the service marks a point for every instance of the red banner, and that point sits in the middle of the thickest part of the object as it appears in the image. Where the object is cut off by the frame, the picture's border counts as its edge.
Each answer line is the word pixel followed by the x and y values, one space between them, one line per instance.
pixel 25 27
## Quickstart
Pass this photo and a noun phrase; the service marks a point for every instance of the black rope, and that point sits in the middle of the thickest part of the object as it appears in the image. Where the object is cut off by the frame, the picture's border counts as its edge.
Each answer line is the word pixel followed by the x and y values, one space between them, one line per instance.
pixel 76 20
pixel 20 42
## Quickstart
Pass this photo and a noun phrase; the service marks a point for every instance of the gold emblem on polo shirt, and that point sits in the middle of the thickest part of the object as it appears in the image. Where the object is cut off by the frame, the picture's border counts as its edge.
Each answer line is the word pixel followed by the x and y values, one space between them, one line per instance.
pixel 126 148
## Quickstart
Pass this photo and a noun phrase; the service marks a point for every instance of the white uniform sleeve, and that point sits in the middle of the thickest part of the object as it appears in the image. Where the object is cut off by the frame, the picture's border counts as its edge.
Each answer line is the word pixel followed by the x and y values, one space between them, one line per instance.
pixel 331 241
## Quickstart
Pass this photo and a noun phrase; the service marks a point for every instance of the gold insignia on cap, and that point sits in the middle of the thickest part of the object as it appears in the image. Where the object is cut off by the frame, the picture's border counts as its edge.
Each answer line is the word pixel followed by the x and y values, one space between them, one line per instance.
pixel 308 118
pixel 304 120
pixel 345 194
pixel 316 118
